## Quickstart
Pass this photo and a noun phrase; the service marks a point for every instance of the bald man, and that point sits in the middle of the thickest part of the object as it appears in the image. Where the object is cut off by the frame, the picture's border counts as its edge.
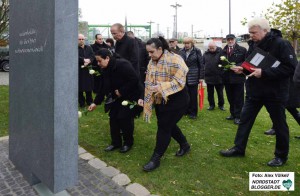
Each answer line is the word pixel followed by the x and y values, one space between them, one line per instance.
pixel 85 80
pixel 213 75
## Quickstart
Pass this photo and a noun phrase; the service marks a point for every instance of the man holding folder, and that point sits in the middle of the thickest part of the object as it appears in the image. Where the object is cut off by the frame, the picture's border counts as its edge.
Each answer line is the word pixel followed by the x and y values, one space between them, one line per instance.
pixel 267 85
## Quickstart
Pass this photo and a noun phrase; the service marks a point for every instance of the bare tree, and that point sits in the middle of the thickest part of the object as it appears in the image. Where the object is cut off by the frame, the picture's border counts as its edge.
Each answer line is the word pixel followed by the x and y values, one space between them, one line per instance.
pixel 285 17
pixel 4 19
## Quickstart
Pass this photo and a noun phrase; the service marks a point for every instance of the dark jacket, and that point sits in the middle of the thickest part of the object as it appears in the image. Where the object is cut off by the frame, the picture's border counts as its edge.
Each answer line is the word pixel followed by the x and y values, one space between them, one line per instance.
pixel 97 46
pixel 127 48
pixel 274 82
pixel 296 77
pixel 176 50
pixel 211 61
pixel 85 82
pixel 238 56
pixel 294 95
pixel 143 55
pixel 195 64
pixel 120 75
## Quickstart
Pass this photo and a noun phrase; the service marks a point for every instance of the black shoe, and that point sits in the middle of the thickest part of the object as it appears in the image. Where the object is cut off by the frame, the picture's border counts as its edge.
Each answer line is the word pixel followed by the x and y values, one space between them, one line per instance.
pixel 229 117
pixel 270 132
pixel 232 152
pixel 111 148
pixel 153 163
pixel 184 149
pixel 192 117
pixel 125 149
pixel 277 162
pixel 211 107
pixel 237 121
pixel 222 108
pixel 297 137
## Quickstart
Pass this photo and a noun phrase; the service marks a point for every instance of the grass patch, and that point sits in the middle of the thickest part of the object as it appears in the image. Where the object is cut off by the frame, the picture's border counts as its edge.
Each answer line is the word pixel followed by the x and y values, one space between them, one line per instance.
pixel 202 171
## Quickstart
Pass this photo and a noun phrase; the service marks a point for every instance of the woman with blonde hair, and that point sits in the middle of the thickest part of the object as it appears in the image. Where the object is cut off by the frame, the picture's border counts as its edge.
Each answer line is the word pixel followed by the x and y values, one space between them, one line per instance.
pixel 193 58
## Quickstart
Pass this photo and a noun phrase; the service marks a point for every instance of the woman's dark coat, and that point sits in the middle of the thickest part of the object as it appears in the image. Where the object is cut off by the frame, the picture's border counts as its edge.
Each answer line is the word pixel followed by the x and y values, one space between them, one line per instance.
pixel 120 75
pixel 195 64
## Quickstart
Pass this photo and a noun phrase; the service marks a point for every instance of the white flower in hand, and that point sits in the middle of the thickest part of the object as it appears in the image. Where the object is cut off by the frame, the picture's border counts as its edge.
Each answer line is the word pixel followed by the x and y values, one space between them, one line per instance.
pixel 222 58
pixel 79 114
pixel 124 103
pixel 92 71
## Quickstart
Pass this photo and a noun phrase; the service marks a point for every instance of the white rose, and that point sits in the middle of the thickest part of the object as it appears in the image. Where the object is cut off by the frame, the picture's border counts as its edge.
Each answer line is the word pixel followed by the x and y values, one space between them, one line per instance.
pixel 222 58
pixel 82 66
pixel 219 65
pixel 92 71
pixel 124 103
pixel 79 114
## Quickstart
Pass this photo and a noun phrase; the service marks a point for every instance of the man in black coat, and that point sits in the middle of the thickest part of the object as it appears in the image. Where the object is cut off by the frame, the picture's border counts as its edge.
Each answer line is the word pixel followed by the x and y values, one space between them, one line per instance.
pixel 143 56
pixel 213 75
pixel 266 87
pixel 85 85
pixel 234 84
pixel 126 46
pixel 98 79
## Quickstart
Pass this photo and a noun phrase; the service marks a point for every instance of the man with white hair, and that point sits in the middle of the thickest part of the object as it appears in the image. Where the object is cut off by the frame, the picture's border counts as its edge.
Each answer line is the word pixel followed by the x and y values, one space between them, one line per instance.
pixel 266 87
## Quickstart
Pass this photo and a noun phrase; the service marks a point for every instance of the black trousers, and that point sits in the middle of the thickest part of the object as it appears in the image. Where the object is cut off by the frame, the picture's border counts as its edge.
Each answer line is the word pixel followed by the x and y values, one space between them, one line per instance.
pixel 82 100
pixel 167 128
pixel 277 114
pixel 127 127
pixel 235 96
pixel 193 104
pixel 210 94
pixel 294 112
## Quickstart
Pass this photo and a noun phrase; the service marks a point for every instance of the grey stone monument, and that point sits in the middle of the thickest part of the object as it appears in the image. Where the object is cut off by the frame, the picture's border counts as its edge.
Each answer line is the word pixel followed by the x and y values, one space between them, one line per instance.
pixel 43 118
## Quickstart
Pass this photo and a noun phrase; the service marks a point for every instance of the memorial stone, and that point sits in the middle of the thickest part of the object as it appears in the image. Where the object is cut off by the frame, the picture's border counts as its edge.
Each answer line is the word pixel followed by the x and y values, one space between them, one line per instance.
pixel 43 118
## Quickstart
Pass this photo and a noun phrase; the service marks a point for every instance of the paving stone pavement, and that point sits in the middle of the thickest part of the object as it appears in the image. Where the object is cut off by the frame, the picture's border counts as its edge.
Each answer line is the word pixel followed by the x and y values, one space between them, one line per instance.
pixel 95 178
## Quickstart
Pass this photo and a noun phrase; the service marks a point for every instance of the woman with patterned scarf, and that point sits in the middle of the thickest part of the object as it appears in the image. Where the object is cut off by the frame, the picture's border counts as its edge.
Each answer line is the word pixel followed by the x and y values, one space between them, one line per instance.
pixel 165 91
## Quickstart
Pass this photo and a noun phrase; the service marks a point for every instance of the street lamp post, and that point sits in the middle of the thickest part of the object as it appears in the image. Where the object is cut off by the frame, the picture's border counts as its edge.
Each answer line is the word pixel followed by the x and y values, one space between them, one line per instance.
pixel 150 22
pixel 176 6
pixel 229 16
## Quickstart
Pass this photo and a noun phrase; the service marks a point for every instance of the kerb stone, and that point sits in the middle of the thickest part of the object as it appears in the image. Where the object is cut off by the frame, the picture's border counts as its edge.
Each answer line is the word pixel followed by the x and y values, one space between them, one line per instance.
pixel 137 189
pixel 121 179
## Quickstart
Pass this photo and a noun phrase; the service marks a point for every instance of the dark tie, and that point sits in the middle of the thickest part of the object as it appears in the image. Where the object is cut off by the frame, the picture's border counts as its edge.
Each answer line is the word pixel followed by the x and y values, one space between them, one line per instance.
pixel 230 49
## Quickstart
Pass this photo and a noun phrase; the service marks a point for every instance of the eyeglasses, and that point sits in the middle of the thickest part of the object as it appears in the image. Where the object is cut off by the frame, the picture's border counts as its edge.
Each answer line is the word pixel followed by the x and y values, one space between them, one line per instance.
pixel 81 39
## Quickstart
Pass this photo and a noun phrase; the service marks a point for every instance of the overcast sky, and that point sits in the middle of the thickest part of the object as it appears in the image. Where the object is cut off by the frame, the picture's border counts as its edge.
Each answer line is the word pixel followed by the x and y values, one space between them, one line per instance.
pixel 208 17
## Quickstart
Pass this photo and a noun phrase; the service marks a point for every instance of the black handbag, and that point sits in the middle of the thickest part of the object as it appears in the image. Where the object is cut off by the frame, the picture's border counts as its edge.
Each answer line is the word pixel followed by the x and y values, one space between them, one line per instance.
pixel 108 103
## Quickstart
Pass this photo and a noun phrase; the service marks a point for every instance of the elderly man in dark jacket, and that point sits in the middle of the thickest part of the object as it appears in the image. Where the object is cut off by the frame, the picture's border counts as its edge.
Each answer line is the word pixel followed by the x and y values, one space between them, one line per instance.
pixel 86 57
pixel 126 46
pixel 266 87
pixel 213 75
pixel 234 84
pixel 192 56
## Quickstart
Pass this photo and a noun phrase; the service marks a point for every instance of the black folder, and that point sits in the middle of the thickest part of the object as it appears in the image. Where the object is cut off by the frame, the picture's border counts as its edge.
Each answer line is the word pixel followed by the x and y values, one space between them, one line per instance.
pixel 260 59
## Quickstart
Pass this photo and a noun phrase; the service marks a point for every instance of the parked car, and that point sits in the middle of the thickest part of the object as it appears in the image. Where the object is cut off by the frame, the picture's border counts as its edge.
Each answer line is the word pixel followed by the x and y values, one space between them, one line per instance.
pixel 4 63
pixel 4 58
